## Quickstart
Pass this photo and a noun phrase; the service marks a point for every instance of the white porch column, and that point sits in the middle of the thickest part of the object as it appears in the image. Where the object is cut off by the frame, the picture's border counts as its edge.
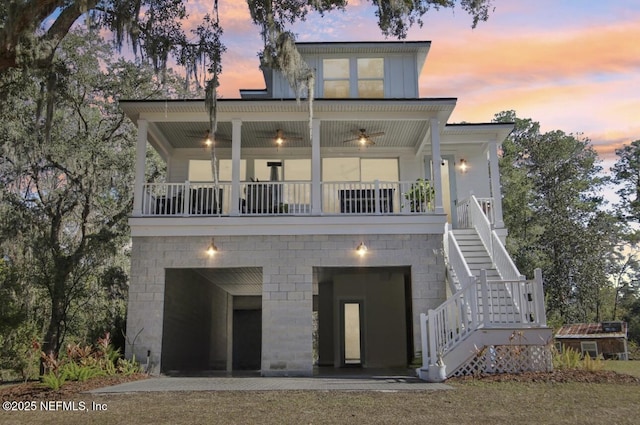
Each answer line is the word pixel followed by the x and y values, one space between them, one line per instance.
pixel 141 155
pixel 316 189
pixel 496 193
pixel 236 136
pixel 436 162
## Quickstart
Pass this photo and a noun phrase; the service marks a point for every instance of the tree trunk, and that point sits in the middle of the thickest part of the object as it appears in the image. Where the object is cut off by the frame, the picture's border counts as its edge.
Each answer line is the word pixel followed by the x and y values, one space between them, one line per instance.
pixel 57 323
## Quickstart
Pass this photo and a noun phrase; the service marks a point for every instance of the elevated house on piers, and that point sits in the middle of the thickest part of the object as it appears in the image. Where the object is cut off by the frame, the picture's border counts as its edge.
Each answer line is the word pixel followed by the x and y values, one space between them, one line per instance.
pixel 369 236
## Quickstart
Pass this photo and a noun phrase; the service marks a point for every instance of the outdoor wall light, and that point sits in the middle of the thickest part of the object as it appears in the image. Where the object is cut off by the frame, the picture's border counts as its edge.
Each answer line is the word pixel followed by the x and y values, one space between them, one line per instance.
pixel 361 249
pixel 211 251
pixel 463 165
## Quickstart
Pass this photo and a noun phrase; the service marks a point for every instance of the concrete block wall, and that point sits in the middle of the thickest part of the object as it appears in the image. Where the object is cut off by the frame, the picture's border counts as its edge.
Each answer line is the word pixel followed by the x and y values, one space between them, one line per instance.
pixel 287 263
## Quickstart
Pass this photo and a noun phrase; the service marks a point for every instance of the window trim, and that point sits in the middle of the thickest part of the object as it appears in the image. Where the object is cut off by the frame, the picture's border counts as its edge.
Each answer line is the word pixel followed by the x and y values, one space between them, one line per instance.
pixel 588 347
pixel 359 78
pixel 354 79
pixel 348 79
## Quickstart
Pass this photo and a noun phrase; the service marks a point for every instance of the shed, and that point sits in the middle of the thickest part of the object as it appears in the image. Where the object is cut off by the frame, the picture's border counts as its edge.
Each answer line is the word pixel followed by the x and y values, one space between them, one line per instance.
pixel 608 339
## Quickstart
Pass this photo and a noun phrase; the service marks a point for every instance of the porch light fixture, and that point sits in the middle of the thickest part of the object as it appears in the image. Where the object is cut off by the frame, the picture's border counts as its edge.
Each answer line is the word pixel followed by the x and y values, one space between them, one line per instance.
pixel 207 140
pixel 361 249
pixel 211 251
pixel 279 141
pixel 463 165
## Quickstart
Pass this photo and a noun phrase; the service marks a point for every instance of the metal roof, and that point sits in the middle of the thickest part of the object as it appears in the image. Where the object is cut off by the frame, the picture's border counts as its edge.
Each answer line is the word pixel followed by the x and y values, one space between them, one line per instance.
pixel 590 331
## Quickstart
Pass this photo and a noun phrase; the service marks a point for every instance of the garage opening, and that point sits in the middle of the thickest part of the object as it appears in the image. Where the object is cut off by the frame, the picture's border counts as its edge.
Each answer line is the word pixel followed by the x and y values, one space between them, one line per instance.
pixel 212 320
pixel 364 317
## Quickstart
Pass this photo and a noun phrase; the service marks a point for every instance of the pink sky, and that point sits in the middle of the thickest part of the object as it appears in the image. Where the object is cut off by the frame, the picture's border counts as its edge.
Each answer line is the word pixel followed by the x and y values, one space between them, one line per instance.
pixel 572 65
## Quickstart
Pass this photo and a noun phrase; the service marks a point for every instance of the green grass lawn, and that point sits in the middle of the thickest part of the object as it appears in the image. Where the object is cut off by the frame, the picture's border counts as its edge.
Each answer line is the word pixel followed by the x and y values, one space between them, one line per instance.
pixel 631 367
pixel 473 402
pixel 469 402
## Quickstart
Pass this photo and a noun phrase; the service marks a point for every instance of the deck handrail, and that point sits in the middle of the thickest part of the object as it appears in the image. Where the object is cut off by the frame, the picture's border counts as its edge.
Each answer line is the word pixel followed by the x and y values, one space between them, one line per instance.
pixel 456 260
pixel 374 197
pixel 486 205
pixel 504 263
pixel 283 198
pixel 446 326
pixel 478 219
pixel 480 222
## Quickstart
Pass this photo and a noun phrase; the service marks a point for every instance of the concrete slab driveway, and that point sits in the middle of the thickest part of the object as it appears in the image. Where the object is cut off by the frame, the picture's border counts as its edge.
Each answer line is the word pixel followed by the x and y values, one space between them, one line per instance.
pixel 356 383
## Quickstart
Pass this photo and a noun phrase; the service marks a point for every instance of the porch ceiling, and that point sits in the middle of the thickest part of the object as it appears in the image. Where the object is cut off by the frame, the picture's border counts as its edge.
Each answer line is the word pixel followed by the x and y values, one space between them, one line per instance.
pixel 184 124
pixel 235 280
pixel 261 134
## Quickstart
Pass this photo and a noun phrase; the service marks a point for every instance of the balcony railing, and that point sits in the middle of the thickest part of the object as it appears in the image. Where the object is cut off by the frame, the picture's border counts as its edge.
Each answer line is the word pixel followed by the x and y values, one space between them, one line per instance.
pixel 283 198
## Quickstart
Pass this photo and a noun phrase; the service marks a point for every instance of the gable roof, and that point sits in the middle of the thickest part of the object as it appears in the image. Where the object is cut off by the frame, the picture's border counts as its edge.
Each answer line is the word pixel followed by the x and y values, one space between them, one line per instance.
pixel 592 330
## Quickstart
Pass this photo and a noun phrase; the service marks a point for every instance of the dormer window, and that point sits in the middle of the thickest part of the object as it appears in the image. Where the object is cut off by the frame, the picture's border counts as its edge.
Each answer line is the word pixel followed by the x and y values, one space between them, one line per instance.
pixel 353 78
pixel 336 78
pixel 370 77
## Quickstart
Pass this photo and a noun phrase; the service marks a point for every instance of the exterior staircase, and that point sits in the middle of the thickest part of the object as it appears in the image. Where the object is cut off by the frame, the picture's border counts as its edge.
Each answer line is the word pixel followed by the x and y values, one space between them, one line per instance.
pixel 494 321
pixel 475 254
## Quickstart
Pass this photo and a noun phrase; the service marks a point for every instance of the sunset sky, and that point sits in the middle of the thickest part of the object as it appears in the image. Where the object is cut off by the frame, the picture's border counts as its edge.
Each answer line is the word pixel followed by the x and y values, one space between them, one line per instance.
pixel 572 65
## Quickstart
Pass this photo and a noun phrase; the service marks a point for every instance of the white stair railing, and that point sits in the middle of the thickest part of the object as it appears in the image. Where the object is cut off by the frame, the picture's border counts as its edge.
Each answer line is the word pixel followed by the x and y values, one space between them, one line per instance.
pixel 477 218
pixel 448 324
pixel 445 327
pixel 457 263
pixel 502 260
pixel 486 205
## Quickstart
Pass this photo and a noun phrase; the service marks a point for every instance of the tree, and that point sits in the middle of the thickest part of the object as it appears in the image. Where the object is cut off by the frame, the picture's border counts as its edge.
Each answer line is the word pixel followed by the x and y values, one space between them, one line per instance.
pixel 626 174
pixel 552 207
pixel 154 29
pixel 156 25
pixel 65 198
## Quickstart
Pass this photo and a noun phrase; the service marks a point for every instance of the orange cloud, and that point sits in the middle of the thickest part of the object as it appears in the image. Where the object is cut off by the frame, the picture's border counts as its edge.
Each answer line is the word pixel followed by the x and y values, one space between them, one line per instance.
pixel 494 58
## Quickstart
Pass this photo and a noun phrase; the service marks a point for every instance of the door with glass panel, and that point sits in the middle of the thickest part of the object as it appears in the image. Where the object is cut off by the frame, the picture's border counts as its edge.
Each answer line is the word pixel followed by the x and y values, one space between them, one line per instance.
pixel 351 333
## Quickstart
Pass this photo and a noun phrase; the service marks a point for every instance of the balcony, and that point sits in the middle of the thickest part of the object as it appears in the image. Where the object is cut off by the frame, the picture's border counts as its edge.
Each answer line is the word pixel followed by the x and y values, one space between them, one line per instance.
pixel 206 199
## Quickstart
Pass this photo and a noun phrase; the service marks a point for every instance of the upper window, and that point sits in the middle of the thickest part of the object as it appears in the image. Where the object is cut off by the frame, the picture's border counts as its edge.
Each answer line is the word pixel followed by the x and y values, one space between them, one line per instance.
pixel 336 78
pixel 361 77
pixel 370 77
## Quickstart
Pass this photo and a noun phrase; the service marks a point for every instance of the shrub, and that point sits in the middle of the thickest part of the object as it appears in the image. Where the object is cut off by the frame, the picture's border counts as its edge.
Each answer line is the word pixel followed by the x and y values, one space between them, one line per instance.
pixel 128 367
pixel 571 359
pixel 567 359
pixel 19 351
pixel 53 380
pixel 77 372
pixel 592 365
pixel 83 362
pixel 55 374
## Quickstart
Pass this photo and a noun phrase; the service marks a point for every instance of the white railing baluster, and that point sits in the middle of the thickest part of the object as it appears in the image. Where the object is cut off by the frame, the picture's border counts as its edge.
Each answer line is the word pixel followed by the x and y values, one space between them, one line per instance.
pixel 279 198
pixel 502 260
pixel 457 261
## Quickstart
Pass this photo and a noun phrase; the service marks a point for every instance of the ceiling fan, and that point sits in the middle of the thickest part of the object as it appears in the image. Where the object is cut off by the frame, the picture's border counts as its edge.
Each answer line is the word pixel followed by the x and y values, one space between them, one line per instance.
pixel 280 138
pixel 207 140
pixel 363 138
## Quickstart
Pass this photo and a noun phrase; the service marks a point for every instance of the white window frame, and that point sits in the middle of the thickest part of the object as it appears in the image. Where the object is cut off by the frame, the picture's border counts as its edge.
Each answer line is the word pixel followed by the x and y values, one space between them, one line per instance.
pixel 359 78
pixel 354 78
pixel 348 79
pixel 588 347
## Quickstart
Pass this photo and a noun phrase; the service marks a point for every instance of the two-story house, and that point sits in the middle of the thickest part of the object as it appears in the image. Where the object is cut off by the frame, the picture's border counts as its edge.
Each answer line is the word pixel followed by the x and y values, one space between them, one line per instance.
pixel 371 235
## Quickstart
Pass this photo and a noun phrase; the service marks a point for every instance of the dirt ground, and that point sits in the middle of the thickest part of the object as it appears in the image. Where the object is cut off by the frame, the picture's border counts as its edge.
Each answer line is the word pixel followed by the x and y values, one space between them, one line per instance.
pixel 36 391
